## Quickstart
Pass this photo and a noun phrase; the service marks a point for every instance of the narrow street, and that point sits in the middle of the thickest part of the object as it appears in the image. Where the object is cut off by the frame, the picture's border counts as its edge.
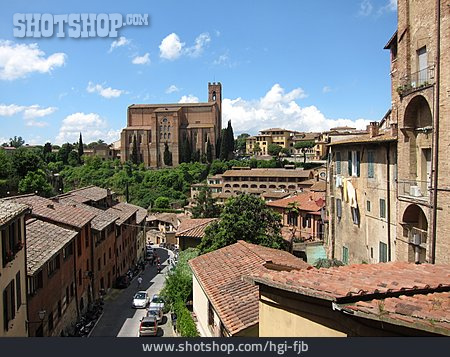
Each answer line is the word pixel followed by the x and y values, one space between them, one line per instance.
pixel 119 319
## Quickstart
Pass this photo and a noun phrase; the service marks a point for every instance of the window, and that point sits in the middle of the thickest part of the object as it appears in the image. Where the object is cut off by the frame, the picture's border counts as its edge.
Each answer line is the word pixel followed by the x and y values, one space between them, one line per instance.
pixel 382 208
pixel 50 321
pixel 383 252
pixel 345 255
pixel 370 164
pixel 79 245
pixel 79 277
pixel 98 264
pixel 422 61
pixel 86 237
pixel 338 163
pixel 110 253
pixel 338 207
pixel 18 291
pixel 368 205
pixel 9 308
pixel 354 163
pixel 104 258
pixel 210 314
pixel 292 218
pixel 355 216
pixel 68 251
pixel 53 265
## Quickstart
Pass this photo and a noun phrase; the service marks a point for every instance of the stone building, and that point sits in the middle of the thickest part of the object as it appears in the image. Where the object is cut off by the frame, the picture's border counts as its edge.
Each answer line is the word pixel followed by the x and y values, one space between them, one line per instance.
pixel 13 303
pixel 361 196
pixel 420 103
pixel 153 126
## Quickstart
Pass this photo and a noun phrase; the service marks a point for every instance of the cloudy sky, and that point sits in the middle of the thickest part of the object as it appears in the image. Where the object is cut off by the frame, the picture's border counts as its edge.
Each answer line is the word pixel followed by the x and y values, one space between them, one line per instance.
pixel 303 65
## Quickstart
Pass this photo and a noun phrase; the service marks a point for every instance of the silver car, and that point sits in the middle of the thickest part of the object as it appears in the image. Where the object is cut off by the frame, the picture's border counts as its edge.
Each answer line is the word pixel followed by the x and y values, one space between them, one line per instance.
pixel 155 312
pixel 140 300
pixel 148 326
pixel 157 302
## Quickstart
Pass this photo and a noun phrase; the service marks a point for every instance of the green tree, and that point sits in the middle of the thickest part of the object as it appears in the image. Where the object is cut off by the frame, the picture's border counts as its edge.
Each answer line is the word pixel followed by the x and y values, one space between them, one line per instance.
pixel 274 150
pixel 167 155
pixel 16 142
pixel 224 149
pixel 134 152
pixel 256 148
pixel 185 150
pixel 80 149
pixel 241 143
pixel 285 152
pixel 73 158
pixel 162 202
pixel 230 138
pixel 25 160
pixel 244 217
pixel 304 146
pixel 205 205
pixel 209 154
pixel 63 153
pixel 36 181
pixel 196 156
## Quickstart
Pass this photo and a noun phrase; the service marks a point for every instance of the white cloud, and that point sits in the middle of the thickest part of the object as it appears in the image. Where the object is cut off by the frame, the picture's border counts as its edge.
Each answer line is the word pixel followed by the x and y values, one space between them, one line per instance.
pixel 279 109
pixel 29 113
pixel 121 41
pixel 391 6
pixel 188 99
pixel 201 42
pixel 145 59
pixel 365 8
pixel 171 47
pixel 172 88
pixel 18 60
pixel 326 89
pixel 104 92
pixel 90 125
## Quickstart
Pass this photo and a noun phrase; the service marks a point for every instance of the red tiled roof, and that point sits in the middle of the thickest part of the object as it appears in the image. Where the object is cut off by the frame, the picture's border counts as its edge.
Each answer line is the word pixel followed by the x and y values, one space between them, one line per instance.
pixel 341 283
pixel 268 173
pixel 10 210
pixel 54 211
pixel 220 275
pixel 141 213
pixel 305 201
pixel 194 227
pixel 102 218
pixel 43 241
pixel 429 312
pixel 123 210
pixel 92 193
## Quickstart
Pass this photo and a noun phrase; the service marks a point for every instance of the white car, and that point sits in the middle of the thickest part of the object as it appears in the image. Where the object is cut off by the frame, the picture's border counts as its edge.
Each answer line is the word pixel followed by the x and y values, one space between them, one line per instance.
pixel 140 300
pixel 157 303
pixel 156 312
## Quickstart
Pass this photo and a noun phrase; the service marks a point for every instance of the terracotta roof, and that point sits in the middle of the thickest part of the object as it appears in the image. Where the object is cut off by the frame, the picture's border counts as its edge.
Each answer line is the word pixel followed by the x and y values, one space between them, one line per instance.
pixel 277 129
pixel 167 217
pixel 49 209
pixel 123 210
pixel 172 105
pixel 9 210
pixel 276 194
pixel 43 241
pixel 352 282
pixel 102 218
pixel 220 275
pixel 305 201
pixel 430 312
pixel 141 213
pixel 194 227
pixel 268 173
pixel 365 138
pixel 92 193
pixel 319 186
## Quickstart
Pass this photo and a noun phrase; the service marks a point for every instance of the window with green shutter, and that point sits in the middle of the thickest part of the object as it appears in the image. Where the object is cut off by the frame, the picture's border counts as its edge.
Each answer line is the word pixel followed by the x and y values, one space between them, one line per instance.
pixel 370 164
pixel 345 255
pixel 338 163
pixel 382 208
pixel 383 252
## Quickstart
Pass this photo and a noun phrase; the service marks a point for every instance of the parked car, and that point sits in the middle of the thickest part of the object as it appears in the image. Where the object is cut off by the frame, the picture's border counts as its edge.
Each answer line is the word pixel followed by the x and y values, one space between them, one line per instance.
pixel 156 312
pixel 140 300
pixel 122 282
pixel 157 303
pixel 148 326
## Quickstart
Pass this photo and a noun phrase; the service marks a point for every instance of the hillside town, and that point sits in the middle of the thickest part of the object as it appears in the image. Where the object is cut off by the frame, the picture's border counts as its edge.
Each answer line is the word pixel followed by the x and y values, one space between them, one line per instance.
pixel 338 233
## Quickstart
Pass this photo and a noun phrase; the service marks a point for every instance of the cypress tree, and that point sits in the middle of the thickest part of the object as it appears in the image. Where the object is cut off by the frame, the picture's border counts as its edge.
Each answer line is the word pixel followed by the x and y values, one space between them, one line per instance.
pixel 80 149
pixel 224 145
pixel 188 152
pixel 209 155
pixel 167 155
pixel 230 138
pixel 134 152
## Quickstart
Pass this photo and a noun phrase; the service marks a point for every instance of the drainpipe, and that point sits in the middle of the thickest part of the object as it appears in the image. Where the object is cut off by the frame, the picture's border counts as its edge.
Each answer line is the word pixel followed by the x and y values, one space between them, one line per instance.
pixel 436 138
pixel 388 200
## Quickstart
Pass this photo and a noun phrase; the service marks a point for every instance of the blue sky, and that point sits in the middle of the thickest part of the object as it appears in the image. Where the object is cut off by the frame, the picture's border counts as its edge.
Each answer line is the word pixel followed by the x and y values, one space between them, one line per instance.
pixel 304 65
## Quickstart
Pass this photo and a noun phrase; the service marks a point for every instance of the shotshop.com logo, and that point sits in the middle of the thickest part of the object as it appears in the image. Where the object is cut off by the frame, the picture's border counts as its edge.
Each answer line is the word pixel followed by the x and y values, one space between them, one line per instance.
pixel 74 25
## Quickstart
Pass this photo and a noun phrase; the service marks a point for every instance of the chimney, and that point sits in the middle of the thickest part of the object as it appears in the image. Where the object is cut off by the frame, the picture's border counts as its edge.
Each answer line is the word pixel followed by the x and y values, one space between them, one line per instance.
pixel 108 192
pixel 373 129
pixel 50 205
pixel 394 129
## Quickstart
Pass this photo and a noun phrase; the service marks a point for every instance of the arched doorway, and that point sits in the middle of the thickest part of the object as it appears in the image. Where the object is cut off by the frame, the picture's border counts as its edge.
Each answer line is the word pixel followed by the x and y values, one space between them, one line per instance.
pixel 415 230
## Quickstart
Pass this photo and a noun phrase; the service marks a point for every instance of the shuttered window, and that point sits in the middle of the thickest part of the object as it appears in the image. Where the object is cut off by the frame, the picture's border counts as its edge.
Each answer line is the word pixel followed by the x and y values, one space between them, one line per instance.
pixel 345 255
pixel 370 164
pixel 383 252
pixel 382 208
pixel 338 207
pixel 338 163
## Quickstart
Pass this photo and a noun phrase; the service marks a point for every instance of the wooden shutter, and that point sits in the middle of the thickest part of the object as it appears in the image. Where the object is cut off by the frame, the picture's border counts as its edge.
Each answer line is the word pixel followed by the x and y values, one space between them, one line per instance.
pixel 349 163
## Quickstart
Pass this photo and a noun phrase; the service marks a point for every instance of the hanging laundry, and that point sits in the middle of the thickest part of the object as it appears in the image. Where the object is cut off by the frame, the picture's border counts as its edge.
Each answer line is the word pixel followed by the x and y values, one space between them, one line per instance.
pixel 344 193
pixel 351 192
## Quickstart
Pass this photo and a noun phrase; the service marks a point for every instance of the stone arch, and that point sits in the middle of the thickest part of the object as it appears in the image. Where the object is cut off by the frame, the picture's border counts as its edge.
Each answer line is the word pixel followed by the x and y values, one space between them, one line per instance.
pixel 262 186
pixel 415 231
pixel 418 113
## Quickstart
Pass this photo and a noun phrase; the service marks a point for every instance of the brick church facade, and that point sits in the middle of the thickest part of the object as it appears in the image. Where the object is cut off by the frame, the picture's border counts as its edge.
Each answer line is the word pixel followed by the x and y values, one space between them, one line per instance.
pixel 155 125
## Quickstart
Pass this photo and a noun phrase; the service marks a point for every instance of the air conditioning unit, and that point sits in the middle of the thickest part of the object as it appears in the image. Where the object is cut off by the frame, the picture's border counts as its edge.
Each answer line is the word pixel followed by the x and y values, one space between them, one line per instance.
pixel 415 191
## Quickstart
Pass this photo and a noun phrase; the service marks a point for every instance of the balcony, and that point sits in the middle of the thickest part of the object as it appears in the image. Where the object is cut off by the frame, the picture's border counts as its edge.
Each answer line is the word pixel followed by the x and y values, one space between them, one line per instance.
pixel 414 190
pixel 416 236
pixel 416 81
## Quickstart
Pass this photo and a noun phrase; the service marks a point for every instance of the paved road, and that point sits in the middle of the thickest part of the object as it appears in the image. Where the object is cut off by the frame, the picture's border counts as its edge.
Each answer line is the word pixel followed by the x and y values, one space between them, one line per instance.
pixel 119 318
